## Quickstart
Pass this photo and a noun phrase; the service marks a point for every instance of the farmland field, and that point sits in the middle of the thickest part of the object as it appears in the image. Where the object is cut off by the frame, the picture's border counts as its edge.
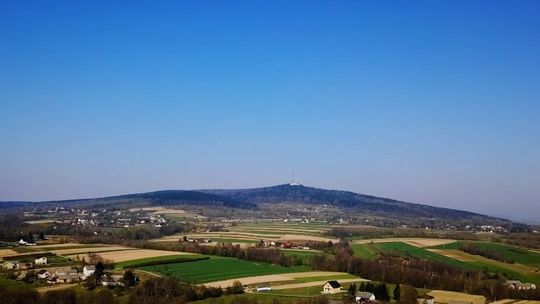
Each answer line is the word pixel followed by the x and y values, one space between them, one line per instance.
pixel 127 255
pixel 162 259
pixel 406 249
pixel 218 268
pixel 519 255
pixel 365 251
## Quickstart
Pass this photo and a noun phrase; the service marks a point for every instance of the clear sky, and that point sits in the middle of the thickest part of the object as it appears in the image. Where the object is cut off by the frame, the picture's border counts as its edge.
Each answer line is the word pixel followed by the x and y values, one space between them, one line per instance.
pixel 433 102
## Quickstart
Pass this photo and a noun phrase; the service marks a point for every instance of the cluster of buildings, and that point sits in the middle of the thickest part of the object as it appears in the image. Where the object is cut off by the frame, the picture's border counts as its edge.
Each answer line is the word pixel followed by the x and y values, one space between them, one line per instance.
pixel 518 285
pixel 24 265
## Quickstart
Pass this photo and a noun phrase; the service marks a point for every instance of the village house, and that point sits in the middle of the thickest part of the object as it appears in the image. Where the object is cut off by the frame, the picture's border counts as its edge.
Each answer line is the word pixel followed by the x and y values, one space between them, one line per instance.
pixel 331 287
pixel 9 265
pixel 363 296
pixel 112 280
pixel 41 261
pixel 66 276
pixel 88 270
pixel 425 299
pixel 25 266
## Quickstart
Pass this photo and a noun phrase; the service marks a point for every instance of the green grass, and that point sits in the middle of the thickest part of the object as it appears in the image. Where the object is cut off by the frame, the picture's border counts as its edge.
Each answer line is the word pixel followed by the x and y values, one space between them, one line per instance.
pixel 366 251
pixel 519 255
pixel 218 268
pixel 13 284
pixel 164 259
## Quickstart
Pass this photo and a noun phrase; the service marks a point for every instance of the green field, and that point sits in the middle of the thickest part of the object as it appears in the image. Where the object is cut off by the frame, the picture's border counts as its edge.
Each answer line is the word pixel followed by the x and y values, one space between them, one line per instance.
pixel 519 255
pixel 366 251
pixel 218 268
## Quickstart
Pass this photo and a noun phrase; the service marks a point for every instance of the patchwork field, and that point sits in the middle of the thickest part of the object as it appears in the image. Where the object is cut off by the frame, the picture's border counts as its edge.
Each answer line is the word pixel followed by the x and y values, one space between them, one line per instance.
pixel 448 253
pixel 371 250
pixel 519 255
pixel 417 242
pixel 219 269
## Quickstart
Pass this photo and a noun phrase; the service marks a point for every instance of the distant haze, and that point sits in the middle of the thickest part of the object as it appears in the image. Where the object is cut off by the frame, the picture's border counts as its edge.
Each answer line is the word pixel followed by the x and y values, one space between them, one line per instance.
pixel 427 102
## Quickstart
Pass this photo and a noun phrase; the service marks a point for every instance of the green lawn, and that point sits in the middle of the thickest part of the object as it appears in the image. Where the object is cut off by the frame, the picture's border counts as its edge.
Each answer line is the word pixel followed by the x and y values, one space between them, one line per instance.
pixel 218 268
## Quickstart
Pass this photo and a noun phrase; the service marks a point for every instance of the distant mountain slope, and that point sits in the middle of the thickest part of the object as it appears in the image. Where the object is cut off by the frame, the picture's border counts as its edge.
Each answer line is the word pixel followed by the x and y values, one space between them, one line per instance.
pixel 158 198
pixel 288 193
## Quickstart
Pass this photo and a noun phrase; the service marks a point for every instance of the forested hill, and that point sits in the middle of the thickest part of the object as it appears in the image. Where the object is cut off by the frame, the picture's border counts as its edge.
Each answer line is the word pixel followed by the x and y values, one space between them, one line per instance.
pixel 252 198
pixel 299 194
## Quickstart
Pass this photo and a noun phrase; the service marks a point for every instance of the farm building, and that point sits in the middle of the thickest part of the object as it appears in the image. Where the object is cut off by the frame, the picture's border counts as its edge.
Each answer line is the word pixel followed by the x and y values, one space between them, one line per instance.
pixel 425 299
pixel 112 280
pixel 44 274
pixel 41 261
pixel 10 265
pixel 27 243
pixel 263 288
pixel 88 270
pixel 331 287
pixel 362 296
pixel 518 285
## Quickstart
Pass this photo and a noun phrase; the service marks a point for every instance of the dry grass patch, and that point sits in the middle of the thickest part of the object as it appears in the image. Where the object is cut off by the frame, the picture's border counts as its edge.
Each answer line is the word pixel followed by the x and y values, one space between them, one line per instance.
pixel 442 296
pixel 7 252
pixel 88 249
pixel 454 254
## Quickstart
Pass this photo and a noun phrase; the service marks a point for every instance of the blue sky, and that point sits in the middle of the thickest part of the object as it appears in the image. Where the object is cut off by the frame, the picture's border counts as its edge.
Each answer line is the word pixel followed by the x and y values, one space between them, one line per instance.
pixel 433 102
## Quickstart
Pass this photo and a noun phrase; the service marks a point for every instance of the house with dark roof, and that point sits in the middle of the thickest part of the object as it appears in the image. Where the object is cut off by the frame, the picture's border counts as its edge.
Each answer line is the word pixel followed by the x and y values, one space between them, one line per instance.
pixel 331 287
